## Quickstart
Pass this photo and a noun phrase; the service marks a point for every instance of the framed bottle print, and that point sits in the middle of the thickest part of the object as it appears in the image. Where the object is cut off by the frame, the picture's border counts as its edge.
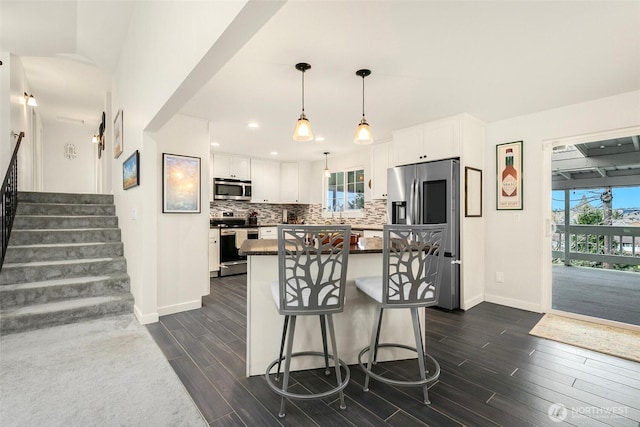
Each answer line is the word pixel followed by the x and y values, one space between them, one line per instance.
pixel 509 176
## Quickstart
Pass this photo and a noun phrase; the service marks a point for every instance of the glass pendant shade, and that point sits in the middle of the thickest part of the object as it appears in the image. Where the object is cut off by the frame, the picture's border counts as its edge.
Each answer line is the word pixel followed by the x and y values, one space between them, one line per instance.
pixel 363 134
pixel 327 172
pixel 303 132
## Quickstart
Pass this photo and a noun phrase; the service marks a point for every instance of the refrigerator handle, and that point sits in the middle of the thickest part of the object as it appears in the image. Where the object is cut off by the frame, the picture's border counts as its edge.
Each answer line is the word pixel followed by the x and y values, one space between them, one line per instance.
pixel 414 202
pixel 417 205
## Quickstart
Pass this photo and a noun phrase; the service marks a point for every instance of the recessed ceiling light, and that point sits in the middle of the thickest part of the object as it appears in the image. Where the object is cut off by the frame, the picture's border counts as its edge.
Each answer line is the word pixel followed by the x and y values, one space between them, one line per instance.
pixel 253 125
pixel 215 144
pixel 602 146
pixel 320 138
pixel 274 153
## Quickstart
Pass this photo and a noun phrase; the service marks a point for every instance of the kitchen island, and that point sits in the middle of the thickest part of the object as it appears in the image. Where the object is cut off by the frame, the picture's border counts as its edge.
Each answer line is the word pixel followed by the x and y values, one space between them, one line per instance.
pixel 353 325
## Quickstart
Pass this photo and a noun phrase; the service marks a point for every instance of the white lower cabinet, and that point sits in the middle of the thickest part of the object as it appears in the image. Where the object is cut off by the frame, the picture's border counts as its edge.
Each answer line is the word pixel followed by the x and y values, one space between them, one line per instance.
pixel 268 232
pixel 214 250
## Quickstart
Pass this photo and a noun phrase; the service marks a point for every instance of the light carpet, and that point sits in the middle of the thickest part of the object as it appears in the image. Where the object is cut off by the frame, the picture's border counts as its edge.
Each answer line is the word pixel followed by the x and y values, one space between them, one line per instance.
pixel 604 339
pixel 106 372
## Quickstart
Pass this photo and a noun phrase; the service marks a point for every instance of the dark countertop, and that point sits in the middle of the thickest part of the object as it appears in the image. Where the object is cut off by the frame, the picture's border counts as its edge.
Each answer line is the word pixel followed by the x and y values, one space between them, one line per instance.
pixel 371 245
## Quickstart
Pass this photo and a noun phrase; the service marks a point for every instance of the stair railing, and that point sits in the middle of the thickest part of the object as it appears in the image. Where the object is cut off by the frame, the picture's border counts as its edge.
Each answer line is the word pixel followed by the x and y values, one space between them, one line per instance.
pixel 9 198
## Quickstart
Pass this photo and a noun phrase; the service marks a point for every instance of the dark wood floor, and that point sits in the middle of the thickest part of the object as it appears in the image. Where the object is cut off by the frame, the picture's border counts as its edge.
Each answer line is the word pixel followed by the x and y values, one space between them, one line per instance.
pixel 493 373
pixel 596 292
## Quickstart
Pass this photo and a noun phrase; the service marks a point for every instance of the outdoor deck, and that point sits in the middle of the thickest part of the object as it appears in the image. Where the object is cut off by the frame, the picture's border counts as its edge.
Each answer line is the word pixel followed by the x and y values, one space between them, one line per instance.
pixel 607 294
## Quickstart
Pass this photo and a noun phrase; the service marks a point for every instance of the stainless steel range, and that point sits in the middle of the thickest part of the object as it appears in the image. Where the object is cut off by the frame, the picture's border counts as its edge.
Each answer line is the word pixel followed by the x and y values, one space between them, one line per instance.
pixel 233 231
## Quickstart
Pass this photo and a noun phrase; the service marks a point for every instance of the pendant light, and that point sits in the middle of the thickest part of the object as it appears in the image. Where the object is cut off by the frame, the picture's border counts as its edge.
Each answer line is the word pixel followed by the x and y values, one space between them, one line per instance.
pixel 327 172
pixel 303 131
pixel 363 133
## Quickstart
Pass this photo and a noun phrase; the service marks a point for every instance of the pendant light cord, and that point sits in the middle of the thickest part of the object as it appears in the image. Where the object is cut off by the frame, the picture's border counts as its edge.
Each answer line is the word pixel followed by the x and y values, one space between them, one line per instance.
pixel 303 91
pixel 363 96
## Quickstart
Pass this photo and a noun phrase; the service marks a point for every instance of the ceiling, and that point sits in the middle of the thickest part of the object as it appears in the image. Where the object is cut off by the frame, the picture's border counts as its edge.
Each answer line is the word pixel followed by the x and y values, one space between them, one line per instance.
pixel 494 60
pixel 614 162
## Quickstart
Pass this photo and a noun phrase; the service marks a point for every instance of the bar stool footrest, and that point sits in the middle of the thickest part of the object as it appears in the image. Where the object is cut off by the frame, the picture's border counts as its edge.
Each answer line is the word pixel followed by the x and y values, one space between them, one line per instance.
pixel 337 389
pixel 434 376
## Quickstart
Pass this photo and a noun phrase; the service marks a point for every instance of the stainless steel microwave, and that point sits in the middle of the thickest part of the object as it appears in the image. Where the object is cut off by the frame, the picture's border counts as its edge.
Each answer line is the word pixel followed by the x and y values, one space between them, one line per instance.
pixel 231 189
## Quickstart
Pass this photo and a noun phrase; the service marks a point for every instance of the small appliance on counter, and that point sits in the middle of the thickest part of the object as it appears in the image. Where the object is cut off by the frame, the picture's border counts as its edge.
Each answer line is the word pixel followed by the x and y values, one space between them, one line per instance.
pixel 285 216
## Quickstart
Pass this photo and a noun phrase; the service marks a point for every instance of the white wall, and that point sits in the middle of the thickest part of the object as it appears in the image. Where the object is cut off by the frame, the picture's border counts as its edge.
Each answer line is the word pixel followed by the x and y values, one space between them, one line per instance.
pixel 69 175
pixel 21 121
pixel 165 41
pixel 5 112
pixel 515 242
pixel 183 239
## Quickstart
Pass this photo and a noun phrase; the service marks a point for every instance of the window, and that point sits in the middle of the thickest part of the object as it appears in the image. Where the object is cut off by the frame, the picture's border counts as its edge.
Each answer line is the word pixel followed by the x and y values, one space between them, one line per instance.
pixel 345 191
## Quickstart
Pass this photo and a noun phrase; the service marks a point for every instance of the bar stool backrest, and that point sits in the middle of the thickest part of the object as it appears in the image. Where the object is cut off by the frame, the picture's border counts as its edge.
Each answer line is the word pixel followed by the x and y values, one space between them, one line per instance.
pixel 312 268
pixel 413 259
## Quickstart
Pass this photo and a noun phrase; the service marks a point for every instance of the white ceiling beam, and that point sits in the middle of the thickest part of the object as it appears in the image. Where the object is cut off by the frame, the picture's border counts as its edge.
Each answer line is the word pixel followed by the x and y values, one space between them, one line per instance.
pixel 636 142
pixel 602 172
pixel 565 175
pixel 626 159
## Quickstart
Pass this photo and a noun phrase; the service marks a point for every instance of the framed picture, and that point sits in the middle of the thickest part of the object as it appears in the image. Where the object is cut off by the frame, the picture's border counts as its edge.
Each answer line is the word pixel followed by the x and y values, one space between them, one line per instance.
pixel 118 131
pixel 472 192
pixel 180 184
pixel 131 171
pixel 101 130
pixel 509 176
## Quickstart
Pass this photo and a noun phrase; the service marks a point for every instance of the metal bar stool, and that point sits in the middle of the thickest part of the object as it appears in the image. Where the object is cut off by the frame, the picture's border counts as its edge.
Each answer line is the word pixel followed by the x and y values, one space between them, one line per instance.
pixel 411 273
pixel 312 271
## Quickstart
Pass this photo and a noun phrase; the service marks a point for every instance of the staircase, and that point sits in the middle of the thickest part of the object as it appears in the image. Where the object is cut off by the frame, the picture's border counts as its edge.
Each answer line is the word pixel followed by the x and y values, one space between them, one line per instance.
pixel 64 263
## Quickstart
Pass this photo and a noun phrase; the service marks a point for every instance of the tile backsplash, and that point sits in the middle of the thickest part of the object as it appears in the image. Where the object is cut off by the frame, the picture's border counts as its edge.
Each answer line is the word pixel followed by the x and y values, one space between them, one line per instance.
pixel 375 212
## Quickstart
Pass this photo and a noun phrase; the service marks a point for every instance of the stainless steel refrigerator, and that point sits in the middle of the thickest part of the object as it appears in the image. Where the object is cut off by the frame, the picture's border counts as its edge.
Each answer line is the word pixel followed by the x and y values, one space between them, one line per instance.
pixel 428 193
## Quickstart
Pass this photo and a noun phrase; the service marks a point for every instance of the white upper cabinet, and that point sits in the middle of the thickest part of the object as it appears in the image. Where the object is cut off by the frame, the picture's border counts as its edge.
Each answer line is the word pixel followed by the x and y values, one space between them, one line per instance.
pixel 440 139
pixel 235 167
pixel 265 183
pixel 294 182
pixel 379 164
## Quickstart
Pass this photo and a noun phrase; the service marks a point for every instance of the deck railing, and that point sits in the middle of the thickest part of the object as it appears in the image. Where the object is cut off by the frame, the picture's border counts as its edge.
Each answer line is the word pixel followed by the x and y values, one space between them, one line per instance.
pixel 9 198
pixel 597 243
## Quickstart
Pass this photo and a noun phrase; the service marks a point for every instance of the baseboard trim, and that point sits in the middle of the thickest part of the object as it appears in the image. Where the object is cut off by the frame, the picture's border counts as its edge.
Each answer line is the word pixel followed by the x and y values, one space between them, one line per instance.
pixel 470 303
pixel 177 308
pixel 145 319
pixel 515 303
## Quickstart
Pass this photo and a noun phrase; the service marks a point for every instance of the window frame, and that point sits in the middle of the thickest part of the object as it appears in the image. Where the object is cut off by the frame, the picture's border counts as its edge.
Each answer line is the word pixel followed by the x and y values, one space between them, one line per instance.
pixel 346 213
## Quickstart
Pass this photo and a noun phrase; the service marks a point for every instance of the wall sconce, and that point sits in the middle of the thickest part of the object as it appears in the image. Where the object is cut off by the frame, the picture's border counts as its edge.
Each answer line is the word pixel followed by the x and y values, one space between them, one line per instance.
pixel 30 100
pixel 95 139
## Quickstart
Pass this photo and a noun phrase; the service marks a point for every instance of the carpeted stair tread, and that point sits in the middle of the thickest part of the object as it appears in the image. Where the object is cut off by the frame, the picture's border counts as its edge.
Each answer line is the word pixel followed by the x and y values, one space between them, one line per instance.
pixel 60 251
pixel 64 235
pixel 59 282
pixel 59 306
pixel 65 209
pixel 41 292
pixel 49 270
pixel 56 263
pixel 32 222
pixel 75 198
pixel 58 245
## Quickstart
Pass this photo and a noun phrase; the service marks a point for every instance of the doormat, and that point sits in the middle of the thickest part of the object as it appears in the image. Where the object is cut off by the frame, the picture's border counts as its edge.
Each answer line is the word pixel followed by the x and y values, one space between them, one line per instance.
pixel 604 339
